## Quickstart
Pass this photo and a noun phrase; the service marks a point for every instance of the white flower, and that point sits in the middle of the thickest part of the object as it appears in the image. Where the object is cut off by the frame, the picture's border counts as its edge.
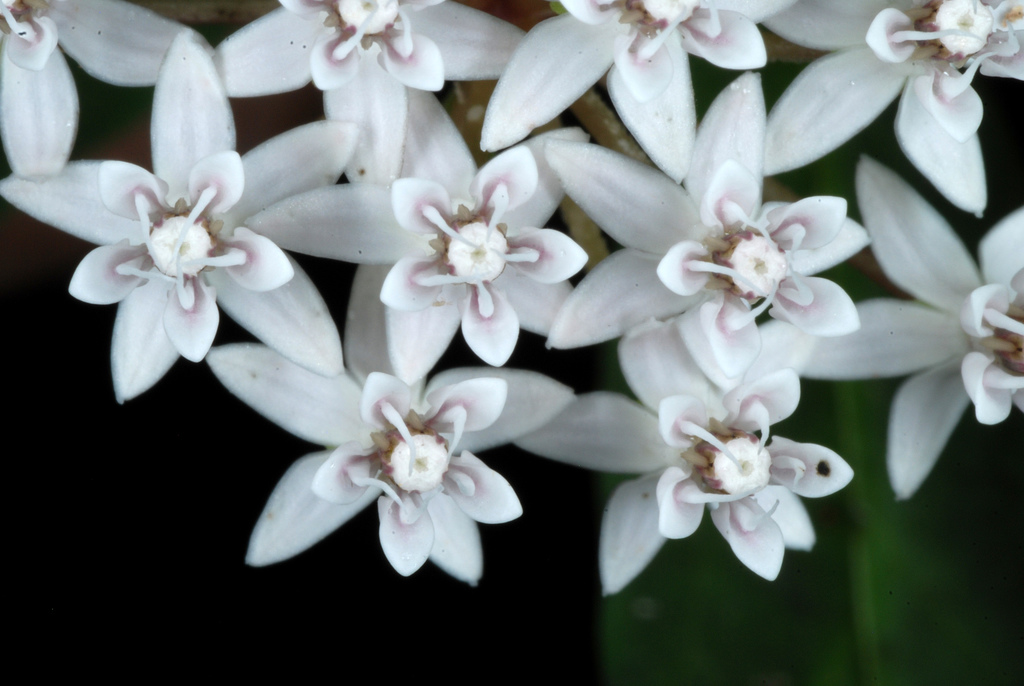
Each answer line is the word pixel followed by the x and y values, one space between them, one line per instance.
pixel 915 47
pixel 114 41
pixel 649 84
pixel 395 444
pixel 963 342
pixel 466 244
pixel 364 54
pixel 697 447
pixel 175 240
pixel 723 262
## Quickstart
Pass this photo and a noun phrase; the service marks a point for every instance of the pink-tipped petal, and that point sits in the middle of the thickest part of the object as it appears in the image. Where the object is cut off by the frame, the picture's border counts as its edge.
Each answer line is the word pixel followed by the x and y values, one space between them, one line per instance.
pixel 337 479
pixel 423 68
pixel 406 544
pixel 410 198
pixel 676 518
pixel 957 110
pixel 754 537
pixel 830 312
pixel 807 469
pixel 328 70
pixel 476 403
pixel 809 223
pixel 473 44
pixel 558 256
pixel 514 170
pixel 730 40
pixel 722 338
pixel 222 172
pixel 191 330
pixel 266 267
pixel 382 390
pixel 772 397
pixel 492 335
pixel 790 514
pixel 480 492
pixel 675 272
pixel 646 77
pixel 97 280
pixel 120 183
pixel 32 49
pixel 990 387
pixel 403 289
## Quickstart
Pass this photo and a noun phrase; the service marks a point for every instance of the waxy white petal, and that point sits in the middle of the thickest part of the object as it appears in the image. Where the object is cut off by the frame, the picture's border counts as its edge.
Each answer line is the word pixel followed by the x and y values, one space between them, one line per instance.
pixel 989 386
pixel 677 518
pixel 422 68
pixel 457 548
pixel 319 409
pixel 536 304
pixel 657 365
pixel 380 391
pixel 754 537
pixel 119 185
pixel 629 533
pixel 790 514
pixel 269 55
pixel 403 289
pixel 365 326
pixel 294 518
pixel 490 499
pixel 97 281
pixel 491 336
pixel 221 172
pixel 999 251
pixel 824 24
pixel 192 329
pixel 266 267
pixel 416 340
pixel 435 150
pixel 406 544
pixel 473 44
pixel 32 49
pixel 335 480
pixel 476 403
pixel 140 352
pixel 645 77
pixel 514 170
pixel 830 312
pixel 548 194
pixel 852 238
pixel 736 45
pixel 806 469
pixel 558 256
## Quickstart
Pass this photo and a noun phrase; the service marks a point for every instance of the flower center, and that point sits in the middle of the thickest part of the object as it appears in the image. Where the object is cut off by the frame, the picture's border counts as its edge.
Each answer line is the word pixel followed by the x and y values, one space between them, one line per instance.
pixel 378 15
pixel 17 11
pixel 179 246
pixel 657 13
pixel 420 467
pixel 754 264
pixel 476 252
pixel 969 22
pixel 746 468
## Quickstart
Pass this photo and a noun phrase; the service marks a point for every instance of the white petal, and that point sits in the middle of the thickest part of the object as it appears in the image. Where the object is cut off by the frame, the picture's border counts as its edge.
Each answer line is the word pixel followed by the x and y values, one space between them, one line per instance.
pixel 558 256
pixel 722 338
pixel 955 168
pixel 293 319
pixel 536 304
pixel 416 340
pixel 141 353
pixel 531 401
pixel 790 514
pixel 477 402
pixel 638 206
pixel 299 160
pixel 999 251
pixel 319 409
pixel 665 125
pixel 435 149
pixel 191 330
pixel 806 469
pixel 754 537
pixel 266 266
pixel 554 65
pixel 852 239
pixel 737 45
pixel 38 115
pixel 411 197
pixel 221 171
pixel 422 68
pixel 492 500
pixel 645 77
pixel 492 337
pixel 378 105
pixel 407 545
pixel 457 548
pixel 621 292
pixel 514 170
pixel 117 43
pixel 402 289
pixel 71 202
pixel 629 533
pixel 335 480
pixel 32 51
pixel 989 386
pixel 956 109
pixel 294 518
pixel 733 129
pixel 895 337
pixel 548 194
pixel 351 222
pixel 191 115
pixel 823 24
pixel 119 184
pixel 657 365
pixel 828 103
pixel 97 281
pixel 924 413
pixel 815 221
pixel 771 398
pixel 473 44
pixel 269 55
pixel 676 517
pixel 379 391
pixel 915 246
pixel 366 348
pixel 831 311
pixel 732 194
pixel 603 431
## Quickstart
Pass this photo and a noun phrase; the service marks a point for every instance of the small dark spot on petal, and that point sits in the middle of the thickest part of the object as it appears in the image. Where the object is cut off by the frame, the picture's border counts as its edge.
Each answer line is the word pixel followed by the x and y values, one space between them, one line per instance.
pixel 824 469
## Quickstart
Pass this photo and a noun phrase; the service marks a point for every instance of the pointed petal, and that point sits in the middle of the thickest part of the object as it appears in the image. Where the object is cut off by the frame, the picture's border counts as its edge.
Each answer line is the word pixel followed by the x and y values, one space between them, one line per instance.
pixel 222 172
pixel 337 479
pixel 119 184
pixel 38 115
pixel 515 170
pixel 999 251
pixel 638 206
pixel 621 292
pixel 555 64
pixel 548 194
pixel 192 330
pixel 829 102
pixel 558 256
pixel 823 24
pixel 473 44
pixel 269 55
pixel 141 353
pixel 435 149
pixel 406 545
pixel 422 68
pixel 790 514
pixel 416 340
pixel 657 365
pixel 806 469
pixel 722 338
pixel 665 126
pixel 133 43
pixel 645 77
pixel 736 45
pixel 191 115
pixel 477 402
pixel 97 280
pixel 989 386
pixel 379 391
pixel 955 168
pixel 676 517
pixel 754 537
pixel 830 312
pixel 924 413
pixel 295 519
pixel 480 492
pixel 71 202
pixel 457 548
pixel 492 336
pixel 629 533
pixel 292 319
pixel 915 246
pixel 34 44
pixel 319 409
pixel 266 267
pixel 366 348
pixel 852 238
pixel 307 157
pixel 603 431
pixel 536 304
pixel 378 105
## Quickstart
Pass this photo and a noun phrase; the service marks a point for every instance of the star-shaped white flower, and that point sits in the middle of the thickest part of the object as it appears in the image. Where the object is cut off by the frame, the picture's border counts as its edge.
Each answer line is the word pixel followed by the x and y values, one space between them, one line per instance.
pixel 114 41
pixel 174 242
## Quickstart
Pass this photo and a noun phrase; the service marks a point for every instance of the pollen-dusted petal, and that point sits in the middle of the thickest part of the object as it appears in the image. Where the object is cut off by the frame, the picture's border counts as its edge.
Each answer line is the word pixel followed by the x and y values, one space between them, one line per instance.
pixel 754 537
pixel 790 514
pixel 269 55
pixel 116 42
pixel 629 533
pixel 924 413
pixel 807 469
pixel 406 544
pixel 473 44
pixel 676 518
pixel 492 501
pixel 457 548
pixel 422 68
pixel 292 319
pixel 294 518
pixel 737 44
pixel 491 335
pixel 97 280
pixel 140 352
pixel 556 62
pixel 38 114
pixel 192 329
